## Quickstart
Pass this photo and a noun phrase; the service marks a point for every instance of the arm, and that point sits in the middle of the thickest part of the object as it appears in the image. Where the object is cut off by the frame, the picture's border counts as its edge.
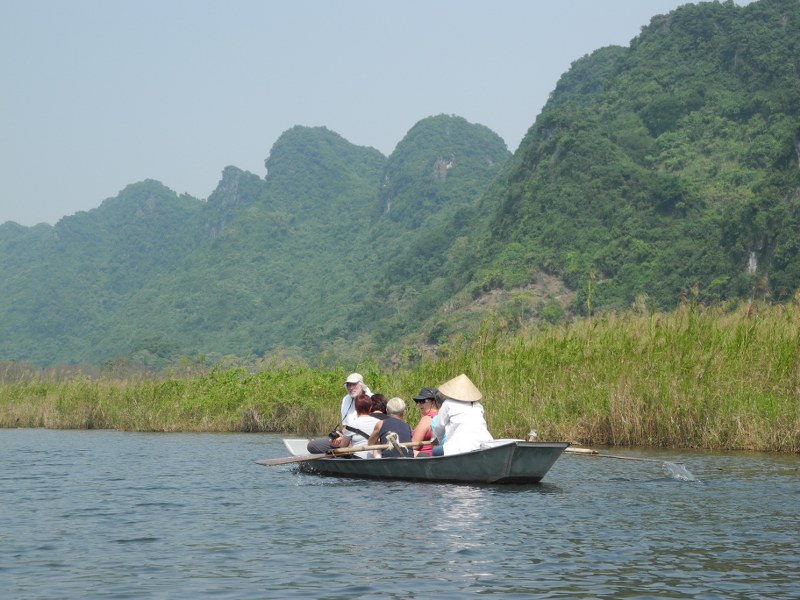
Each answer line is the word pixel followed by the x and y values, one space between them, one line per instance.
pixel 341 441
pixel 419 432
pixel 375 435
pixel 421 429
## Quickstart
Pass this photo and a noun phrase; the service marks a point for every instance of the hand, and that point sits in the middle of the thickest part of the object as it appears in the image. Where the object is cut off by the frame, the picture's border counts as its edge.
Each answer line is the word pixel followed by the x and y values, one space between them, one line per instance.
pixel 337 441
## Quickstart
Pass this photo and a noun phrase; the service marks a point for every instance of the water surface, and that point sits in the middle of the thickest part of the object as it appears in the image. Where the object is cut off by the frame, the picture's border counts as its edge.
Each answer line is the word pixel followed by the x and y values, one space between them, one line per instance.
pixel 103 514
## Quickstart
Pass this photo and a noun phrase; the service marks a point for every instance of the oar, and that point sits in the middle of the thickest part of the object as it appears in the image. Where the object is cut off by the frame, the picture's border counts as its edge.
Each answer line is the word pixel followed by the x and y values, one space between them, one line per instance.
pixel 269 462
pixel 590 452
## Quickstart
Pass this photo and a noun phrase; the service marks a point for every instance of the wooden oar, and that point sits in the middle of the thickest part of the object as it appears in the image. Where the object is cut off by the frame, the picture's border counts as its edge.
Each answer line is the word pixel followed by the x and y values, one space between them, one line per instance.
pixel 269 462
pixel 590 452
pixel 333 452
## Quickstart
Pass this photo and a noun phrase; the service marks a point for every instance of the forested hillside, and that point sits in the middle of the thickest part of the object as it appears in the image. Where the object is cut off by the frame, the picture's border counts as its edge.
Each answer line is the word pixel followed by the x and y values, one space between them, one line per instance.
pixel 280 274
pixel 274 266
pixel 59 281
pixel 659 171
pixel 432 185
pixel 666 166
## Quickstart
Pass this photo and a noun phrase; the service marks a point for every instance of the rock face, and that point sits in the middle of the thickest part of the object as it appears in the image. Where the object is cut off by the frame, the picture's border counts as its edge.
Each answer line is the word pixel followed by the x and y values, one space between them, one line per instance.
pixel 236 190
pixel 441 167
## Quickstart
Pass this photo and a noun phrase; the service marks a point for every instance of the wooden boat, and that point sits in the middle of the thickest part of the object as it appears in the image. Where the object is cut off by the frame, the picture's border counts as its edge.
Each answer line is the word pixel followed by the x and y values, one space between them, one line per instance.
pixel 501 461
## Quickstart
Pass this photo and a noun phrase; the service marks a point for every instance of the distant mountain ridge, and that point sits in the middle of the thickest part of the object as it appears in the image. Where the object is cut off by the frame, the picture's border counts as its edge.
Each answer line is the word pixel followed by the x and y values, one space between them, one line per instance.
pixel 664 171
pixel 265 265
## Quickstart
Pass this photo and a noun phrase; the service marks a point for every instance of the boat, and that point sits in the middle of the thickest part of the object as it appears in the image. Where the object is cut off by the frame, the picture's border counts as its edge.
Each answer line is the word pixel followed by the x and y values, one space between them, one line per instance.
pixel 500 461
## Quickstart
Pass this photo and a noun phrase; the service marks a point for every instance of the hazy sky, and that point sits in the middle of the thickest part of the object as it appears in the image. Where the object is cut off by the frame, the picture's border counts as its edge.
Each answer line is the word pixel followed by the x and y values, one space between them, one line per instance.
pixel 97 94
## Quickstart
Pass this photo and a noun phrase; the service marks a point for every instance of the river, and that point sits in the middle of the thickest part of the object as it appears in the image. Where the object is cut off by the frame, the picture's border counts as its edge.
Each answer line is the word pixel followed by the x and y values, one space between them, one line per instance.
pixel 105 514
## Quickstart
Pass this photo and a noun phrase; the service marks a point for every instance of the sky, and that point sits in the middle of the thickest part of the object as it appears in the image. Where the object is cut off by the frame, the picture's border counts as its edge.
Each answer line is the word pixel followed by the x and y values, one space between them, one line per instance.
pixel 99 94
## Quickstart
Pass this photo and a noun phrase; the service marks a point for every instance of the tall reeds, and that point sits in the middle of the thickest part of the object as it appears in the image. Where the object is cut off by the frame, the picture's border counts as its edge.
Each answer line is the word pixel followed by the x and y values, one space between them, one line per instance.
pixel 694 378
pixel 697 377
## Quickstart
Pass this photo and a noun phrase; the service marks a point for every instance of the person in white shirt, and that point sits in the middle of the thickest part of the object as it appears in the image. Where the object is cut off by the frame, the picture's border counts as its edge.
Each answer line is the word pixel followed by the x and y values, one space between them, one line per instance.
pixel 354 384
pixel 460 422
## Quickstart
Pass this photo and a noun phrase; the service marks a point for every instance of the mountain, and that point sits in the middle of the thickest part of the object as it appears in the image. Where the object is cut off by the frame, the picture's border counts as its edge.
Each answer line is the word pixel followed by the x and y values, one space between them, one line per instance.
pixel 58 280
pixel 281 267
pixel 265 265
pixel 666 166
pixel 429 200
pixel 659 172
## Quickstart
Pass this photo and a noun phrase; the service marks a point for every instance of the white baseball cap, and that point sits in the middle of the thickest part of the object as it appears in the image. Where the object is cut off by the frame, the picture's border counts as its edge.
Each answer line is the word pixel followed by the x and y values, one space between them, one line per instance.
pixel 354 378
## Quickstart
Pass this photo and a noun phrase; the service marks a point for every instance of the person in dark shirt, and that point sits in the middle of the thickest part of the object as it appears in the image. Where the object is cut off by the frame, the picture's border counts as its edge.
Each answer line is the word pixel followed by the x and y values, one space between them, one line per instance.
pixel 396 409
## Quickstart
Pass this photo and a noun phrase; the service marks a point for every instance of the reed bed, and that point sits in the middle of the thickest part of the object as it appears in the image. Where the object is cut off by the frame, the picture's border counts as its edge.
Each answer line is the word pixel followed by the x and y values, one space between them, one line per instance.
pixel 694 378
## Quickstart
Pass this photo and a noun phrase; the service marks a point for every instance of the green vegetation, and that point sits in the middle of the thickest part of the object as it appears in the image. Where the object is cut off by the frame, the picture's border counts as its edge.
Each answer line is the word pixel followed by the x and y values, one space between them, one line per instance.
pixel 666 164
pixel 666 170
pixel 289 264
pixel 696 377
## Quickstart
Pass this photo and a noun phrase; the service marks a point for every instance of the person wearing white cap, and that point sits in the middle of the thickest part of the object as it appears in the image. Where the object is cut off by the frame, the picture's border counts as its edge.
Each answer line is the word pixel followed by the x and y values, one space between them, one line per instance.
pixel 354 384
pixel 460 422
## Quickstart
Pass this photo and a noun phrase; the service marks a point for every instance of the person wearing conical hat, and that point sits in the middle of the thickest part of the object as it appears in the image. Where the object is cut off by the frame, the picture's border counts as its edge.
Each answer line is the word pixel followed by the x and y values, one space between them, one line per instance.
pixel 460 422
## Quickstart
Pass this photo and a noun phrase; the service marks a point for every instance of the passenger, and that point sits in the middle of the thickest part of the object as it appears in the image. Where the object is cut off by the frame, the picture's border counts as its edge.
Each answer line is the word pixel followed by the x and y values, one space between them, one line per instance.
pixel 460 422
pixel 354 384
pixel 423 432
pixel 396 410
pixel 379 406
pixel 357 430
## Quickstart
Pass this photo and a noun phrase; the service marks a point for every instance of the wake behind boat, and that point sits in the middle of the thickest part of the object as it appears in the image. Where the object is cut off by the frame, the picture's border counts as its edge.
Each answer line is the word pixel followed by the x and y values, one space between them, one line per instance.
pixel 500 461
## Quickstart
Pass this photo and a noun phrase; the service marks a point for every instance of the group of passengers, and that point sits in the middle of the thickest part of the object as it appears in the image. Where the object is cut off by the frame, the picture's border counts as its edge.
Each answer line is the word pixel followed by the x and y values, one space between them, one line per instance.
pixel 451 421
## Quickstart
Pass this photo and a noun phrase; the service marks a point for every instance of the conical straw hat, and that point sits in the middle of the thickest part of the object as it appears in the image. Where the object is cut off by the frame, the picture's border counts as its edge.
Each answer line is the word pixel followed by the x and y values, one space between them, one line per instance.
pixel 461 388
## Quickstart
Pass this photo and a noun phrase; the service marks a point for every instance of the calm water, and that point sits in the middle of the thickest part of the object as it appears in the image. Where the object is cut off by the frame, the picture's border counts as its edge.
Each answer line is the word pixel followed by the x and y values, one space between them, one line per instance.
pixel 87 514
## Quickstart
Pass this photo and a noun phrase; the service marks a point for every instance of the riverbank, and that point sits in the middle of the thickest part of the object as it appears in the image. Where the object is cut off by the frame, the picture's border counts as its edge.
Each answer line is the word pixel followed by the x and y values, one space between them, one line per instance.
pixel 693 378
